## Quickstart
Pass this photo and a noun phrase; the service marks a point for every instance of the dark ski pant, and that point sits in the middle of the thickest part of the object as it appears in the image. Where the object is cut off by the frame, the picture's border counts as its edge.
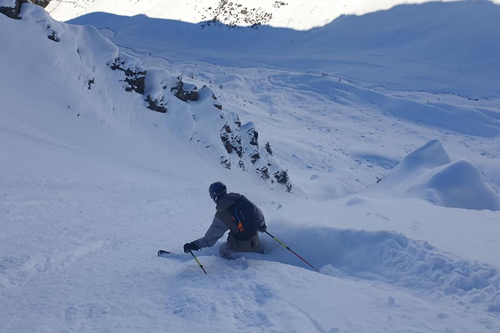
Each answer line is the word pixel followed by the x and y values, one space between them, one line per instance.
pixel 233 245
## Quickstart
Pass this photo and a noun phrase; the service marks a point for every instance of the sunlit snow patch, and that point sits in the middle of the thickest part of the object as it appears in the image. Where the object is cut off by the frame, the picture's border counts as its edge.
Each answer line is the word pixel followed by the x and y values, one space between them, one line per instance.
pixel 428 173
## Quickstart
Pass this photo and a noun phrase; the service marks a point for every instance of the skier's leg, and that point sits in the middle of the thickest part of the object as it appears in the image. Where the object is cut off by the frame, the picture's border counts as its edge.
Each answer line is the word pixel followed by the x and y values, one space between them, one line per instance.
pixel 261 249
pixel 225 251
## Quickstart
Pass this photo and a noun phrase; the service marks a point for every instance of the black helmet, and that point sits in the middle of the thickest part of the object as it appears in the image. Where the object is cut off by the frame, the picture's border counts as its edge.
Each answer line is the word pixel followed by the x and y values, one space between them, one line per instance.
pixel 217 190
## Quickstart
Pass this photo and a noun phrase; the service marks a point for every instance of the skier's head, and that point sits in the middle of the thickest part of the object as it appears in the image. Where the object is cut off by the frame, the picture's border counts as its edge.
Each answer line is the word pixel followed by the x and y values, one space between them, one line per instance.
pixel 217 190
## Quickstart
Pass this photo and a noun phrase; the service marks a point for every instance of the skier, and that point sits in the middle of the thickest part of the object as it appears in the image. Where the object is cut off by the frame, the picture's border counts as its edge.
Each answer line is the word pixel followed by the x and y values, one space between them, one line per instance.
pixel 234 212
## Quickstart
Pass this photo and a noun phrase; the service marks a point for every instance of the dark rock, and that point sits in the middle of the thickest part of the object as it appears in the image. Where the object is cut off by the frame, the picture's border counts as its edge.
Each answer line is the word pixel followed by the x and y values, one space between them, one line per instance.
pixel 136 83
pixel 255 156
pixel 116 64
pixel 282 178
pixel 135 78
pixel 238 148
pixel 268 149
pixel 228 146
pixel 193 95
pixel 155 105
pixel 225 136
pixel 53 37
pixel 13 12
pixel 185 92
pixel 225 162
pixel 42 3
pixel 254 137
pixel 264 173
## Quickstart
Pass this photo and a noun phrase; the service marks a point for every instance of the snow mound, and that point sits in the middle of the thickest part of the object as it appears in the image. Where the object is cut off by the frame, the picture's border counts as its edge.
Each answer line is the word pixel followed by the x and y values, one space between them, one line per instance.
pixel 460 185
pixel 389 257
pixel 430 156
pixel 428 173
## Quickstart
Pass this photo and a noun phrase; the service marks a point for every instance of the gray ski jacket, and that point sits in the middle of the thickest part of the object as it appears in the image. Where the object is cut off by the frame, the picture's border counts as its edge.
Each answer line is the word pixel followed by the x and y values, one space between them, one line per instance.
pixel 222 221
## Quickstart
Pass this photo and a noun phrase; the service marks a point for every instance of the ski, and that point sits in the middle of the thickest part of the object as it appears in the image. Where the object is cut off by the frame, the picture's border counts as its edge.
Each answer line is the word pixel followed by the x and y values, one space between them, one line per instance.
pixel 162 253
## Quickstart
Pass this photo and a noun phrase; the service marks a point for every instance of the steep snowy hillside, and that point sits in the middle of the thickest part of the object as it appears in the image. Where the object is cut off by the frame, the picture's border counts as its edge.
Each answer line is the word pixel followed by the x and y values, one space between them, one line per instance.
pixel 110 136
pixel 429 69
pixel 110 78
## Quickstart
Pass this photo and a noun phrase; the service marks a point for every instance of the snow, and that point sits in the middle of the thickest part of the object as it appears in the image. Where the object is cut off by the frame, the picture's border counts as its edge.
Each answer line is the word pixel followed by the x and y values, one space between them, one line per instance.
pixel 392 149
pixel 293 14
pixel 460 185
pixel 7 3
pixel 429 173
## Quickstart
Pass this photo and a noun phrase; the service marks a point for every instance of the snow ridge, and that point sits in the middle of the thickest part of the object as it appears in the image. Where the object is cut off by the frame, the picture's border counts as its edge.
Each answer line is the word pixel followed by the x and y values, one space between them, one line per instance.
pixel 429 173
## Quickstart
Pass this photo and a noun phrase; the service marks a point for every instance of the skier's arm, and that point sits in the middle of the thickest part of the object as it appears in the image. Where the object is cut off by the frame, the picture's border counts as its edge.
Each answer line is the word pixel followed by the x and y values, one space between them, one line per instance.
pixel 216 231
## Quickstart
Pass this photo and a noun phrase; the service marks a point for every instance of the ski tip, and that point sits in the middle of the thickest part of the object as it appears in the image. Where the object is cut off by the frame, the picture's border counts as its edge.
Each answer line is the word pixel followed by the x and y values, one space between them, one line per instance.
pixel 162 252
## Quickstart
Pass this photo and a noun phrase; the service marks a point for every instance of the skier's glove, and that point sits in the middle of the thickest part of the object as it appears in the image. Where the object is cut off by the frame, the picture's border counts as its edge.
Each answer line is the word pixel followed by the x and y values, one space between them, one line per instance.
pixel 262 228
pixel 190 247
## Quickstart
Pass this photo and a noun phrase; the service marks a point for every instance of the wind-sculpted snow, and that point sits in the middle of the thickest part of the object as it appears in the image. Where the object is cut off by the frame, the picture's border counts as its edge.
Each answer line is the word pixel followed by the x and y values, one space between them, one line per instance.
pixel 429 173
pixel 459 185
pixel 389 257
pixel 458 116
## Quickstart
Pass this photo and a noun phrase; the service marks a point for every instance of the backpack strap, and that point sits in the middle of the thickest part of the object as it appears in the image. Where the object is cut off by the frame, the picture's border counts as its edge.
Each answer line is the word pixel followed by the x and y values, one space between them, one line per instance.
pixel 244 226
pixel 236 205
pixel 235 217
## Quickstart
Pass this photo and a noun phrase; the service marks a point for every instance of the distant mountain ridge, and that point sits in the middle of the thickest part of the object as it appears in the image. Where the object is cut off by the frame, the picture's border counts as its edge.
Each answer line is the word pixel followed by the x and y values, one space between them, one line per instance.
pixel 293 14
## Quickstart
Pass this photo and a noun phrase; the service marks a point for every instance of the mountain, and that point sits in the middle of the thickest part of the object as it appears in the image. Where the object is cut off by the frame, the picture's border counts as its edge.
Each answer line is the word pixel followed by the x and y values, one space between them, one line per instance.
pixel 297 15
pixel 368 136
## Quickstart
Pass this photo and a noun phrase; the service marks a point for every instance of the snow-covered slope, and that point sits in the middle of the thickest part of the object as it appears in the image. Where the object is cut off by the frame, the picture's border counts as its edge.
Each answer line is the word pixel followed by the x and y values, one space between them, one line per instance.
pixel 434 74
pixel 107 78
pixel 435 47
pixel 93 183
pixel 431 46
pixel 429 173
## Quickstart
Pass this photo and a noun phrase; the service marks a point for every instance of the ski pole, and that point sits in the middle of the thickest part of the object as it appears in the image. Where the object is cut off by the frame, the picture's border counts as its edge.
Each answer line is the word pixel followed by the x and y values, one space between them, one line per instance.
pixel 289 249
pixel 201 266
